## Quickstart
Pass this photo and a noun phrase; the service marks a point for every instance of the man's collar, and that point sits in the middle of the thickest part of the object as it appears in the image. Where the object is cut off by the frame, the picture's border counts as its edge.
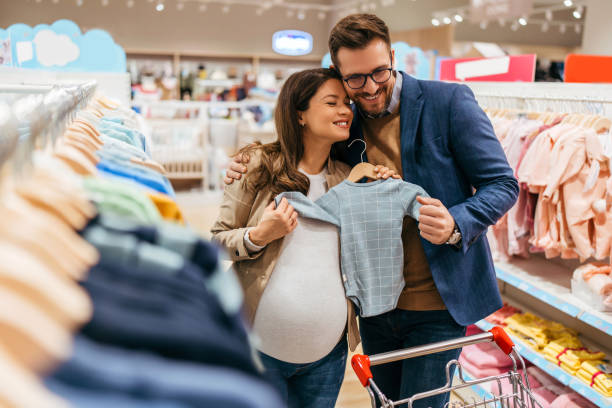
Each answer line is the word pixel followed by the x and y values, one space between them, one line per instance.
pixel 396 94
pixel 395 97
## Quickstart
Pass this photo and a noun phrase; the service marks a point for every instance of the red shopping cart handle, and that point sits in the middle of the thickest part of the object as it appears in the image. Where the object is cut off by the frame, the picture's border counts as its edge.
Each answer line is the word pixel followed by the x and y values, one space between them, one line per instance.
pixel 501 338
pixel 361 366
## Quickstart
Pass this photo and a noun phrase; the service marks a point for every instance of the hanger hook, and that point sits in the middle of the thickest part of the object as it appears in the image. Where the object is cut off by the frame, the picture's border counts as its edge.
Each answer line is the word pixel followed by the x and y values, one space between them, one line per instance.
pixel 364 147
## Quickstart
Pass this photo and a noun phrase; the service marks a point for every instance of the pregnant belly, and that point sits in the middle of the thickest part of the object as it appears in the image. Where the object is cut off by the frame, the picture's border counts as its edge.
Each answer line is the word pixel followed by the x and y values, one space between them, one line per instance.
pixel 301 315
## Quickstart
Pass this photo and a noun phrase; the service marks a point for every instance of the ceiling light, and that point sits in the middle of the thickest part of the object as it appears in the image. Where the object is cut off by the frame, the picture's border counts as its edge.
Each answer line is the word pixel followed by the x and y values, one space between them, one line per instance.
pixel 225 9
pixel 321 15
pixel 104 3
pixel 130 3
pixel 483 25
pixel 577 28
pixel 301 15
pixel 545 26
pixel 447 20
pixel 79 3
pixel 202 8
pixel 549 15
pixel 562 28
pixel 522 21
pixel 435 22
pixel 160 6
pixel 568 3
pixel 180 5
pixel 458 18
pixel 577 13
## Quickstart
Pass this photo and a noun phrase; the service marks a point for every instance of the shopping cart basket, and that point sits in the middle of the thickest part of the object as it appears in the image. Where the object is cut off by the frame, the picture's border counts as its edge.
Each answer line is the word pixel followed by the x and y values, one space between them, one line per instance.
pixel 520 397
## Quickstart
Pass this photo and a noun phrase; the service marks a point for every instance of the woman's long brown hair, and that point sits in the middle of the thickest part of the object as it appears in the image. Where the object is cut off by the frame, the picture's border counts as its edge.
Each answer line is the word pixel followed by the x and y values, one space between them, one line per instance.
pixel 278 169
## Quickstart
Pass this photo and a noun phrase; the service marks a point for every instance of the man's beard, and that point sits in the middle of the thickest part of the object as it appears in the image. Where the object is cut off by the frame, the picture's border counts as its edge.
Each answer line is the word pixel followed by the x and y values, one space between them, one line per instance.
pixel 384 108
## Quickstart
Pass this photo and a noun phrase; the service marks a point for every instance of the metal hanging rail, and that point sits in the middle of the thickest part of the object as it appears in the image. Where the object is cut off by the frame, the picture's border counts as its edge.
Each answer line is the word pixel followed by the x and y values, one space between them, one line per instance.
pixel 42 109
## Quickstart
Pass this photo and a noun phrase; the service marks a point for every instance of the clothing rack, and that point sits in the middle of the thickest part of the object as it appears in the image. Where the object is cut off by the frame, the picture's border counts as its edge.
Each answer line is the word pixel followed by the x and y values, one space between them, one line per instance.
pixel 543 285
pixel 38 110
pixel 545 97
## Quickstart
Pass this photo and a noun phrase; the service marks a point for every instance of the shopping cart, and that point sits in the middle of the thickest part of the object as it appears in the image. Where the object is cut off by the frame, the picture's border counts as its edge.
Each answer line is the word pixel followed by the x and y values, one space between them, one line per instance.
pixel 520 397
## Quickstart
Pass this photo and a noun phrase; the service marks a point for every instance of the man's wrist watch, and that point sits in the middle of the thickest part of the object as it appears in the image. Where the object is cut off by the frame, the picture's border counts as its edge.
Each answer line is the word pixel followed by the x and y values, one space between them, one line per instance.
pixel 455 237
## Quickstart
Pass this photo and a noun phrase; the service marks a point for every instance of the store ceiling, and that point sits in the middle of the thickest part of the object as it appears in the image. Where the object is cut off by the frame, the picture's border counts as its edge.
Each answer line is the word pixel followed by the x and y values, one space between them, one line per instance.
pixel 412 14
pixel 400 15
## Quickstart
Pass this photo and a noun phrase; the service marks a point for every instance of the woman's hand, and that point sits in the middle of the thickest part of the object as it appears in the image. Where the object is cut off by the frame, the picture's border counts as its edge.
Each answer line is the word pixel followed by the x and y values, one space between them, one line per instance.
pixel 275 223
pixel 385 172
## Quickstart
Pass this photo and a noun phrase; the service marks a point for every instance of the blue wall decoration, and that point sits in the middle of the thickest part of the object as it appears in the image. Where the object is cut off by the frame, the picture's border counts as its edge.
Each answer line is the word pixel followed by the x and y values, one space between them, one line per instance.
pixel 411 60
pixel 62 46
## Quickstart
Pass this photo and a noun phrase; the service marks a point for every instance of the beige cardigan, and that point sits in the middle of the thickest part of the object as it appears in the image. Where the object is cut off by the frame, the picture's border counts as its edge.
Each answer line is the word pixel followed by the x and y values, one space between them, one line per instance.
pixel 242 208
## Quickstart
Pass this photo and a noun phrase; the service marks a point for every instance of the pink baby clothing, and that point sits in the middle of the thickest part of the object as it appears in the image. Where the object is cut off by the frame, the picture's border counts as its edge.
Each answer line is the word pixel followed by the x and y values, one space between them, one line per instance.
pixel 572 400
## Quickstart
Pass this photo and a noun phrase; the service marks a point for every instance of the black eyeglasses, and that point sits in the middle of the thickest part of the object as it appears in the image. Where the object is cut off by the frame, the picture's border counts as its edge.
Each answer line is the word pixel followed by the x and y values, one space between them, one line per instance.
pixel 359 80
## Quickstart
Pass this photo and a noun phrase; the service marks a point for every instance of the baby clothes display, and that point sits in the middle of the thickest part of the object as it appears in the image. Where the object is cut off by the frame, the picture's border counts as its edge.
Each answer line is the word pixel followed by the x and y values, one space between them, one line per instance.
pixel 598 375
pixel 535 331
pixel 563 167
pixel 486 359
pixel 592 283
pixel 135 309
pixel 369 216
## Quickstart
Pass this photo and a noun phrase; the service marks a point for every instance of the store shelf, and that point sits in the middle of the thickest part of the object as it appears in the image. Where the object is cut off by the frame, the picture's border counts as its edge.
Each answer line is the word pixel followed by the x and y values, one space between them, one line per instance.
pixel 551 369
pixel 223 83
pixel 550 283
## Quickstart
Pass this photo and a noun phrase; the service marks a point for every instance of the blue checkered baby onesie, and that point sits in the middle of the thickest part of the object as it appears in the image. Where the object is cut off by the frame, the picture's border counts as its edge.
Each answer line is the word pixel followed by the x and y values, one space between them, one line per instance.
pixel 370 217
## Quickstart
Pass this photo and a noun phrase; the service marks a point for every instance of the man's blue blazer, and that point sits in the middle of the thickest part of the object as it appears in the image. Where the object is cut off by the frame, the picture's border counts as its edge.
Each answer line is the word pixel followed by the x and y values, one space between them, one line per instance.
pixel 449 148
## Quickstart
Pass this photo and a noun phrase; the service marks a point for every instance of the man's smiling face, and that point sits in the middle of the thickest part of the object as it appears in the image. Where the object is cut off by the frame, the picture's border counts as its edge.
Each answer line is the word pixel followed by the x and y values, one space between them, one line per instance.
pixel 373 98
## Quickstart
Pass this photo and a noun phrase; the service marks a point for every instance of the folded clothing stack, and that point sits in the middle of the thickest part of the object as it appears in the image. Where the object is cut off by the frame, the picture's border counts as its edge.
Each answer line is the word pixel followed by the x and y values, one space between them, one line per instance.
pixel 569 353
pixel 592 283
pixel 484 360
pixel 598 375
pixel 535 331
pixel 548 392
pixel 502 314
pixel 571 400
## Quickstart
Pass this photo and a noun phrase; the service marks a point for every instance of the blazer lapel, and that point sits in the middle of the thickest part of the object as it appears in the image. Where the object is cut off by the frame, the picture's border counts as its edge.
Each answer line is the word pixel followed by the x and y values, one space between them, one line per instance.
pixel 411 106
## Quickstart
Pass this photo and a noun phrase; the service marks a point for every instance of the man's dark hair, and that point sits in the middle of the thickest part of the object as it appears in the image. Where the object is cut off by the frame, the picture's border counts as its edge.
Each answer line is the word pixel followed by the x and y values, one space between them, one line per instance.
pixel 355 32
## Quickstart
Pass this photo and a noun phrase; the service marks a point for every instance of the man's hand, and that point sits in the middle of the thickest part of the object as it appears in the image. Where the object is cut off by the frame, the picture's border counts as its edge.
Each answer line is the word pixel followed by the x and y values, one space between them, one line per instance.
pixel 275 223
pixel 436 224
pixel 236 169
pixel 385 172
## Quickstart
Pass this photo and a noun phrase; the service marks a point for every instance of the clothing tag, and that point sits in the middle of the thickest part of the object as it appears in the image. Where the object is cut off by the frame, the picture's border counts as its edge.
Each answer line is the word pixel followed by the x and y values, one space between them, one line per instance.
pixel 592 177
pixel 606 368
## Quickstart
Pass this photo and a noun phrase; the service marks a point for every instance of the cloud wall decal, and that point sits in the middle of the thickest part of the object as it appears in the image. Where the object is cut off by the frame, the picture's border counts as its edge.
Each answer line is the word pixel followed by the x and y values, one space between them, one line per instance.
pixel 62 46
